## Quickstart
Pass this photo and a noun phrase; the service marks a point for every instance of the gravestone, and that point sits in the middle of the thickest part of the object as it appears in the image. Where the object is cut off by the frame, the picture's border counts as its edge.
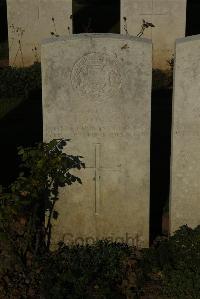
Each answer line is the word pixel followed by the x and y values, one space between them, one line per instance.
pixel 185 165
pixel 30 21
pixel 169 18
pixel 100 98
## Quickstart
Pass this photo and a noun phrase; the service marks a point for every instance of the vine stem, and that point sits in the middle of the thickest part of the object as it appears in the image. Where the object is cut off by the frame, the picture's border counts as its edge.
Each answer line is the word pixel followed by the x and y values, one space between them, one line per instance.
pixel 48 228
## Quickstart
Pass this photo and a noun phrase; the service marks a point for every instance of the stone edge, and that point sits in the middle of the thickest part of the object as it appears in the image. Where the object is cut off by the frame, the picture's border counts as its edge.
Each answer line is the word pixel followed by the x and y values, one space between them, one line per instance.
pixel 188 38
pixel 96 35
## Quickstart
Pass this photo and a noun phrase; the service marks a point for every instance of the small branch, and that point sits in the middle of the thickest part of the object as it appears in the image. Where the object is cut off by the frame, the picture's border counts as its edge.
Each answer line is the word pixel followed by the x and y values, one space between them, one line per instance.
pixel 20 48
pixel 48 227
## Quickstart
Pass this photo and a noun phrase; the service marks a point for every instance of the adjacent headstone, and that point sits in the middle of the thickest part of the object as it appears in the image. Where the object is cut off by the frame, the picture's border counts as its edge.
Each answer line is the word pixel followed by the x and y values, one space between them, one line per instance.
pixel 30 21
pixel 97 92
pixel 185 168
pixel 169 18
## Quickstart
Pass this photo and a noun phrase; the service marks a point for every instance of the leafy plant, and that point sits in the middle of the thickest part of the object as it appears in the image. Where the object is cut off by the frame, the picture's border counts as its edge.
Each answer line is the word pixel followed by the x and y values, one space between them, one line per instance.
pixel 54 33
pixel 145 25
pixel 91 271
pixel 17 36
pixel 162 79
pixel 176 262
pixel 20 82
pixel 171 63
pixel 45 168
pixel 28 269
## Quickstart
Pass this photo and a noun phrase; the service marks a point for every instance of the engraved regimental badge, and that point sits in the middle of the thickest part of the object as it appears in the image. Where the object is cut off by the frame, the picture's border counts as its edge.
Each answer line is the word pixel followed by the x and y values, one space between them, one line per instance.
pixel 96 76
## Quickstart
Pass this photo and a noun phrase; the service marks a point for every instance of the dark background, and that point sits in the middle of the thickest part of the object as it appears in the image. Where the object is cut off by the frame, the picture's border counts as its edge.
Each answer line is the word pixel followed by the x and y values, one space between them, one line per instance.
pixel 96 16
pixel 3 21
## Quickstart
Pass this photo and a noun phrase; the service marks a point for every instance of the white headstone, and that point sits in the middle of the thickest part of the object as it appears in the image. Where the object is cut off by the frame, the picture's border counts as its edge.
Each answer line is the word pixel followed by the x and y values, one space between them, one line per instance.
pixel 185 172
pixel 30 21
pixel 97 92
pixel 169 18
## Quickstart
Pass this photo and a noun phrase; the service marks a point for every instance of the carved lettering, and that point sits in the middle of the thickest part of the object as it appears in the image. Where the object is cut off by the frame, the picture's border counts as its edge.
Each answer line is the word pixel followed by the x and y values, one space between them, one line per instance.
pixel 100 132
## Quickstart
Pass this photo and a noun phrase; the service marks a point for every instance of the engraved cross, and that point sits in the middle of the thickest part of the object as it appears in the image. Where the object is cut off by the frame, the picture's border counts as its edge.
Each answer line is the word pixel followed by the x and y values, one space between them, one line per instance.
pixel 97 178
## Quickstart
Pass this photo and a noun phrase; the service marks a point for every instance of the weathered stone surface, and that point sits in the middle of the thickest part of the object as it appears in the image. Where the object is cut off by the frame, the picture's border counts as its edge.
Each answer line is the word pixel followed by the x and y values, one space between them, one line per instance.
pixel 185 172
pixel 97 92
pixel 30 21
pixel 169 18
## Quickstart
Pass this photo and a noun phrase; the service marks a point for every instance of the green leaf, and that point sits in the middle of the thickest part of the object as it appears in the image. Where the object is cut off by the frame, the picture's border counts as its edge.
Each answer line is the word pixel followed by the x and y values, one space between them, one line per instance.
pixel 21 151
pixel 3 236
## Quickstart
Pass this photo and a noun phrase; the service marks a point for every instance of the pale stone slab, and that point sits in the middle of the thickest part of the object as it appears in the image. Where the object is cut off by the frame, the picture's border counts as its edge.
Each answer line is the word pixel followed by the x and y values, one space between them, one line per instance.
pixel 97 91
pixel 169 18
pixel 30 21
pixel 185 165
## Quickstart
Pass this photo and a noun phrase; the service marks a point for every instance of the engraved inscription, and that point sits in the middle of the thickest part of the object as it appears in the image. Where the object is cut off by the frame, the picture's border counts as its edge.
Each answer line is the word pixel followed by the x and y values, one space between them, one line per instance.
pixel 100 132
pixel 96 76
pixel 161 7
pixel 145 7
pixel 152 7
